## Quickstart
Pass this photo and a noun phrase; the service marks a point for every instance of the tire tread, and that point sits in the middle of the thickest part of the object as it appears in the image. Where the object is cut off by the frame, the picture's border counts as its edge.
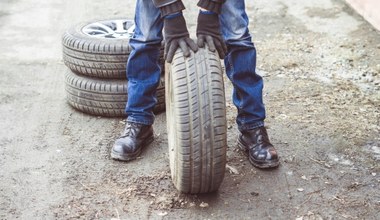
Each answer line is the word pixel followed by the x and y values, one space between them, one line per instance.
pixel 196 122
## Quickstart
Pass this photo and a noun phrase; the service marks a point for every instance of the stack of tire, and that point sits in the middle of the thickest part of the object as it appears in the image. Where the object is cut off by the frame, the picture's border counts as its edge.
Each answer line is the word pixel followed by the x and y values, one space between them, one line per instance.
pixel 96 54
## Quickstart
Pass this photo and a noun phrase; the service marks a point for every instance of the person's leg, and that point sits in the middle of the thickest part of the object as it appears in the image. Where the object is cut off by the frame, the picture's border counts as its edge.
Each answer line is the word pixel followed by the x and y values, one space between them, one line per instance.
pixel 240 65
pixel 143 73
pixel 143 69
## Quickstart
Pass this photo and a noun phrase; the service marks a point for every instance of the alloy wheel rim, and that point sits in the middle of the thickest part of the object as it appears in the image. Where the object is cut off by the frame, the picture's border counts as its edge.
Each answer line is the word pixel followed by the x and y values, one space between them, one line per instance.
pixel 119 29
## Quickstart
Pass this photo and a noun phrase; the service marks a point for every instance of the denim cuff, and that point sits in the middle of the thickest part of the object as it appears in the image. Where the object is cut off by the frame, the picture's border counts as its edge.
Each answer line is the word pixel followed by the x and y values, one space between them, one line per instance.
pixel 247 127
pixel 138 121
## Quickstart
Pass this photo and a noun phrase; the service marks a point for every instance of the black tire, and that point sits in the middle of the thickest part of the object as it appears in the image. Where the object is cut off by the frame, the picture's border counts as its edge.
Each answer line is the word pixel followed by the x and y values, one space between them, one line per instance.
pixel 196 121
pixel 103 97
pixel 88 54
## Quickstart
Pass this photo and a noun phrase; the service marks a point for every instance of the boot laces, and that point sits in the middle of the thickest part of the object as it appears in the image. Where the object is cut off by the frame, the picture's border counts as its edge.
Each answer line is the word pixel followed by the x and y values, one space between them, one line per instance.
pixel 130 129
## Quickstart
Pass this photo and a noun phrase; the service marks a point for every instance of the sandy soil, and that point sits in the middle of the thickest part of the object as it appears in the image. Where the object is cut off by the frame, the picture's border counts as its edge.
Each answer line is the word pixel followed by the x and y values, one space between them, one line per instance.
pixel 321 65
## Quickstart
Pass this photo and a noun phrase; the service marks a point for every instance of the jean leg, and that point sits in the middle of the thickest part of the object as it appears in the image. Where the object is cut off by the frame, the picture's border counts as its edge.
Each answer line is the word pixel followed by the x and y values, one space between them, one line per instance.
pixel 143 68
pixel 240 65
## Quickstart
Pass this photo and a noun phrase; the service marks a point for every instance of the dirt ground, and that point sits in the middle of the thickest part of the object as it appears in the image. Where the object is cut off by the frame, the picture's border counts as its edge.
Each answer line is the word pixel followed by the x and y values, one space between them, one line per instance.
pixel 321 66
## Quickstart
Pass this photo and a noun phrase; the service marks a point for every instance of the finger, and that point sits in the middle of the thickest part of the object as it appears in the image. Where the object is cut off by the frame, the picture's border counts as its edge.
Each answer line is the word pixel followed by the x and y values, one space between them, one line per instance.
pixel 225 49
pixel 201 41
pixel 172 48
pixel 184 47
pixel 224 46
pixel 166 50
pixel 210 43
pixel 193 46
pixel 220 50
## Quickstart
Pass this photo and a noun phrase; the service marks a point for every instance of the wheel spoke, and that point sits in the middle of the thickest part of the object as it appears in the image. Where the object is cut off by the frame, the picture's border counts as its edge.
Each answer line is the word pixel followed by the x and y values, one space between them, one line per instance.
pixel 131 30
pixel 110 29
pixel 119 26
pixel 104 27
pixel 93 31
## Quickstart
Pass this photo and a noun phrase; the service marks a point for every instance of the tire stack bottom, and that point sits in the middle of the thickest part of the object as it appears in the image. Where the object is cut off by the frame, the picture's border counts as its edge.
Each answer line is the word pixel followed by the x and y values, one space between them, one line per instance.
pixel 103 97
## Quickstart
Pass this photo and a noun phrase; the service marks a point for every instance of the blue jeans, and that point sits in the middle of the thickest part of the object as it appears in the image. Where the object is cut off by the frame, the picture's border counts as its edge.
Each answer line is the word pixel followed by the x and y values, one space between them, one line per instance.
pixel 144 71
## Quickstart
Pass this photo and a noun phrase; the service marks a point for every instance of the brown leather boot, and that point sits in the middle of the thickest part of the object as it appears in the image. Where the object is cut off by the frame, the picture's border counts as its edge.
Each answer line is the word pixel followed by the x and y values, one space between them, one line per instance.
pixel 256 144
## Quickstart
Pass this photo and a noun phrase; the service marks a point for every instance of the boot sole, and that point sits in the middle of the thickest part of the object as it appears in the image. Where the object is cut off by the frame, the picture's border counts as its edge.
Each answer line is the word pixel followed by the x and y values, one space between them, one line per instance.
pixel 255 163
pixel 132 156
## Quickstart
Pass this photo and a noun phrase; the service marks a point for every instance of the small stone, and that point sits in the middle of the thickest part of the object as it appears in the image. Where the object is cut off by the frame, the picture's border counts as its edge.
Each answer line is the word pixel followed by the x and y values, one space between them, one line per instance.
pixel 232 169
pixel 162 213
pixel 300 189
pixel 204 205
pixel 378 68
pixel 254 194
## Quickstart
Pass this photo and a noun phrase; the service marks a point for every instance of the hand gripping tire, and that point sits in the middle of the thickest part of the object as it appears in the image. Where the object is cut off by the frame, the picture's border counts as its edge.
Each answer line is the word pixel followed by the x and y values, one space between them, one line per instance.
pixel 103 97
pixel 196 121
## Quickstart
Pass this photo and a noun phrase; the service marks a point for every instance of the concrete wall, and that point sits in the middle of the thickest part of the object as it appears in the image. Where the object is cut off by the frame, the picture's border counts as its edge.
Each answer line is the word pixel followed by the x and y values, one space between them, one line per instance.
pixel 369 9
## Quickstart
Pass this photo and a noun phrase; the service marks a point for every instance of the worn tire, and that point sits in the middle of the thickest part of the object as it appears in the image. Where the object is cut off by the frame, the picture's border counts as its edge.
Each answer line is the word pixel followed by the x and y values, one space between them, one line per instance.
pixel 103 97
pixel 94 56
pixel 196 122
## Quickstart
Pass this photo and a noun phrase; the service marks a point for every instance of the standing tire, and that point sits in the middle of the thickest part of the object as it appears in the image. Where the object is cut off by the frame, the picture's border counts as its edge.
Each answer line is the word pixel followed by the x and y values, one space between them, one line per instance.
pixel 99 48
pixel 103 97
pixel 196 122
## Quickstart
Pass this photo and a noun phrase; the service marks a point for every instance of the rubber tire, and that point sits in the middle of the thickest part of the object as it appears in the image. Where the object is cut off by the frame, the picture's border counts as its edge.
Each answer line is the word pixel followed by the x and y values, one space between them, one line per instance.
pixel 196 122
pixel 102 97
pixel 96 57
